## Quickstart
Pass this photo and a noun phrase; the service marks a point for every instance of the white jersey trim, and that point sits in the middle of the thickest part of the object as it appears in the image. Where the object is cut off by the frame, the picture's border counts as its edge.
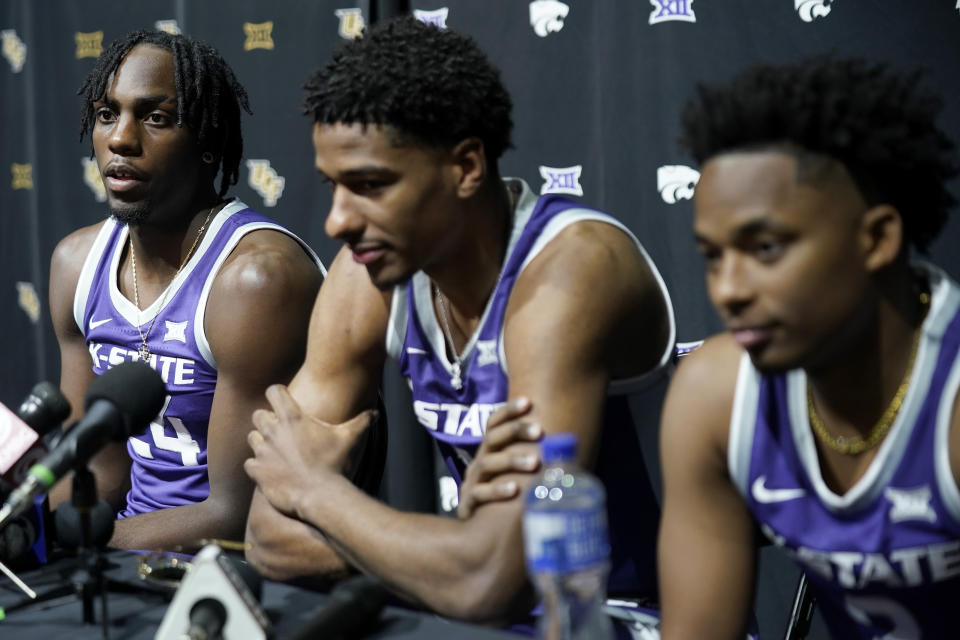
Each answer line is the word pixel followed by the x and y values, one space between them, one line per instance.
pixel 199 331
pixel 891 452
pixel 949 299
pixel 743 421
pixel 572 216
pixel 89 271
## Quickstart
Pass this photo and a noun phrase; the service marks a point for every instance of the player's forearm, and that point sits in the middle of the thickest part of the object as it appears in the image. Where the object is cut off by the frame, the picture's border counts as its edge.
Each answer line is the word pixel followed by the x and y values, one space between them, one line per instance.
pixel 183 525
pixel 282 548
pixel 462 569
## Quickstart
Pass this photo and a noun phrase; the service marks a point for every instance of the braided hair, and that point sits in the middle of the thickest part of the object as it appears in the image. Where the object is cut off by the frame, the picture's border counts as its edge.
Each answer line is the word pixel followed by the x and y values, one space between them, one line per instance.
pixel 209 96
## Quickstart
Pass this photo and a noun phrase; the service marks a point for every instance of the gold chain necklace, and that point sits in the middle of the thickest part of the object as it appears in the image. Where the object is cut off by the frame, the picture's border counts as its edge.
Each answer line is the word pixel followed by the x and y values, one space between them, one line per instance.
pixel 857 445
pixel 144 350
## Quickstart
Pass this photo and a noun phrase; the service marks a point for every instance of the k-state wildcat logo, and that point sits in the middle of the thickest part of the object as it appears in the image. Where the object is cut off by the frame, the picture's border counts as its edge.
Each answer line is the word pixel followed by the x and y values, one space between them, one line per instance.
pixel 676 182
pixel 546 16
pixel 810 10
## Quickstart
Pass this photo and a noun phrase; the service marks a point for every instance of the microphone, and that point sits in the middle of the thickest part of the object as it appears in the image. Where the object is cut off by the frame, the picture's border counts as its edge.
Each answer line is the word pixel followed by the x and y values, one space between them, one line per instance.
pixel 120 401
pixel 44 408
pixel 217 600
pixel 352 606
pixel 21 443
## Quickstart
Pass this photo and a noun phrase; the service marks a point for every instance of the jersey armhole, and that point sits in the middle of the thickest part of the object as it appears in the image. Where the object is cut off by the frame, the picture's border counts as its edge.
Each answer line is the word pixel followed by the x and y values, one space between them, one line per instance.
pixel 946 479
pixel 89 271
pixel 743 421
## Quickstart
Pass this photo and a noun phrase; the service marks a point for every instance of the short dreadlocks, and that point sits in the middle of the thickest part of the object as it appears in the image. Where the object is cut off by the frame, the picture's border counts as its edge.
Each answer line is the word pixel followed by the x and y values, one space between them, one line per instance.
pixel 209 97
pixel 879 124
pixel 433 85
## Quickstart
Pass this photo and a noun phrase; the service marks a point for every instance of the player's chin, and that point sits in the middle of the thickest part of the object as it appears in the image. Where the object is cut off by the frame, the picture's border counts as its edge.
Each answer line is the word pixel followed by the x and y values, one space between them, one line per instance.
pixel 130 213
pixel 386 277
pixel 771 359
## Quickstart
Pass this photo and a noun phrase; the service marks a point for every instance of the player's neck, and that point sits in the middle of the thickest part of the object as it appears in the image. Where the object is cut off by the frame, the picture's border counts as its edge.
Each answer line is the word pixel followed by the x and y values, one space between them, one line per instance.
pixel 854 388
pixel 161 247
pixel 470 268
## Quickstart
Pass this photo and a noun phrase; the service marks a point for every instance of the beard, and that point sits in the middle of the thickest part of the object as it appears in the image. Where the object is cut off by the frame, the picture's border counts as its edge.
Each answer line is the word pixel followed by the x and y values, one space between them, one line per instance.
pixel 130 215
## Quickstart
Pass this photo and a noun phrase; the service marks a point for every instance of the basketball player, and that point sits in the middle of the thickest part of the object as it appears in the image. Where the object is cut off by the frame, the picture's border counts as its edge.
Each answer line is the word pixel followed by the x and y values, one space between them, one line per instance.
pixel 484 293
pixel 214 296
pixel 826 413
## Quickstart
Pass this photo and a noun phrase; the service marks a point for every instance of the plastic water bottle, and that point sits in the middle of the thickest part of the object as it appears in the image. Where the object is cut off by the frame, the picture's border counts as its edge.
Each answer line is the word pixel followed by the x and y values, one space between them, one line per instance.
pixel 566 544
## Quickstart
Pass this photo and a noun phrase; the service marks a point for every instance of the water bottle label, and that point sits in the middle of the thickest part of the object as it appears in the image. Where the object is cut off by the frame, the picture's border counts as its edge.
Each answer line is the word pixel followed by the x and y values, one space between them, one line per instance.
pixel 565 541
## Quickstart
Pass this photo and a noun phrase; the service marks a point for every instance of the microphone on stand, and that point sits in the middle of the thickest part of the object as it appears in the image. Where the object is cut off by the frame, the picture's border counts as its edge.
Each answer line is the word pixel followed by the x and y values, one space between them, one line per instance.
pixel 21 442
pixel 217 600
pixel 119 402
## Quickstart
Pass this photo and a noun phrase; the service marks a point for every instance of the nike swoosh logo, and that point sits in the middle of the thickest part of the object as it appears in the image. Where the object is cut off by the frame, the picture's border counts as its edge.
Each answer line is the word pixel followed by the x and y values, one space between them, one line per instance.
pixel 764 495
pixel 96 323
pixel 415 350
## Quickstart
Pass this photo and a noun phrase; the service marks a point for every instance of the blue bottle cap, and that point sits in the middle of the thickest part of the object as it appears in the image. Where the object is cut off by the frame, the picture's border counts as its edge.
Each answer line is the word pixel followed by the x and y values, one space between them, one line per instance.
pixel 559 446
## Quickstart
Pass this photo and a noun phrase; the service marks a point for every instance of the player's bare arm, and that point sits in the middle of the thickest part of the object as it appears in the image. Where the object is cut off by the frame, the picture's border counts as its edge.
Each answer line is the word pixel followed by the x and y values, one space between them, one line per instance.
pixel 338 380
pixel 256 320
pixel 474 568
pixel 112 465
pixel 706 547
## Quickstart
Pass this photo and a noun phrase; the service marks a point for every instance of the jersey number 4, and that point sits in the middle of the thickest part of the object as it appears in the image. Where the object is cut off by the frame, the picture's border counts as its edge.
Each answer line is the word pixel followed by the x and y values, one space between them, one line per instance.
pixel 183 443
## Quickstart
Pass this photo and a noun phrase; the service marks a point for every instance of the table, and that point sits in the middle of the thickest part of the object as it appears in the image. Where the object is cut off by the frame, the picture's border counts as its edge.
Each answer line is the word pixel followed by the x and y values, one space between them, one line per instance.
pixel 137 613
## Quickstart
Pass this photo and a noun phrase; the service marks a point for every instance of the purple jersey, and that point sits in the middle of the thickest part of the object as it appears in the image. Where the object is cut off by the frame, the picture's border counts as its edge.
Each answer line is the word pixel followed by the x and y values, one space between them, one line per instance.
pixel 884 558
pixel 456 419
pixel 169 457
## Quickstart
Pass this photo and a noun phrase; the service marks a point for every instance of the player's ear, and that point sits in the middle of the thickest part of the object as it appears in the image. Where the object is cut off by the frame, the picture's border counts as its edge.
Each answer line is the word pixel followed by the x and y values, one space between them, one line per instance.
pixel 881 234
pixel 470 166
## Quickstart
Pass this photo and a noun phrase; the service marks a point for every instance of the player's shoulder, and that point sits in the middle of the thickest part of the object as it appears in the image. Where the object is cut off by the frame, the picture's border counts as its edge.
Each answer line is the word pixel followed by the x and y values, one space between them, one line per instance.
pixel 268 262
pixel 703 386
pixel 71 251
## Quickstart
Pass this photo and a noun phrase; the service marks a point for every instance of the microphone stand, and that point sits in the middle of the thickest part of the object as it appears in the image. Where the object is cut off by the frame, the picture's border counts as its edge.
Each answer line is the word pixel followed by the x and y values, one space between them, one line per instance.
pixel 87 579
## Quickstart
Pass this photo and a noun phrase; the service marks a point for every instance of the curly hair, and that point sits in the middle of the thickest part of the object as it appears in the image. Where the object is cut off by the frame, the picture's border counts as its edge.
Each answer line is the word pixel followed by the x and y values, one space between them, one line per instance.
pixel 432 85
pixel 209 96
pixel 877 123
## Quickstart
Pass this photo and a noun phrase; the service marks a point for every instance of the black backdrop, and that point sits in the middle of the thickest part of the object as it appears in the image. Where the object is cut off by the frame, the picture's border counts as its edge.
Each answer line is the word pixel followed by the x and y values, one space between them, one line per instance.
pixel 597 85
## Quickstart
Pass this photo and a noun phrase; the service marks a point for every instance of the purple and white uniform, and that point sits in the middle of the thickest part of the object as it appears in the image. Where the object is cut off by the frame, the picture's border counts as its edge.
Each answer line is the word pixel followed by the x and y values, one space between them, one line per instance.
pixel 169 457
pixel 456 419
pixel 884 558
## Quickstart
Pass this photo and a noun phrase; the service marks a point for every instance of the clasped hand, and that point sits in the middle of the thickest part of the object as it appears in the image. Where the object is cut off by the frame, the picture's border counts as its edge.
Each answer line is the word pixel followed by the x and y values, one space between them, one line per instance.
pixel 294 452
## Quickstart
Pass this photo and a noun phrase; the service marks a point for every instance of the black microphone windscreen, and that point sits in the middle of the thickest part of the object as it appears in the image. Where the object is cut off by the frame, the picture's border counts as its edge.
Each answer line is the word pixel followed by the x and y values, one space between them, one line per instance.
pixel 134 388
pixel 45 408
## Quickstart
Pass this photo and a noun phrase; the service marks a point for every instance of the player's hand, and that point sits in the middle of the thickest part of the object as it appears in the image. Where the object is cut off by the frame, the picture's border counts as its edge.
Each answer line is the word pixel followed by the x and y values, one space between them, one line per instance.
pixel 508 447
pixel 293 452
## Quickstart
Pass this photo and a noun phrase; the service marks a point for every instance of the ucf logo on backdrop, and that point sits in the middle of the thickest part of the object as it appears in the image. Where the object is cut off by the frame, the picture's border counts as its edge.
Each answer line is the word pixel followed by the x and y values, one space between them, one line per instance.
pixel 265 180
pixel 14 50
pixel 351 23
